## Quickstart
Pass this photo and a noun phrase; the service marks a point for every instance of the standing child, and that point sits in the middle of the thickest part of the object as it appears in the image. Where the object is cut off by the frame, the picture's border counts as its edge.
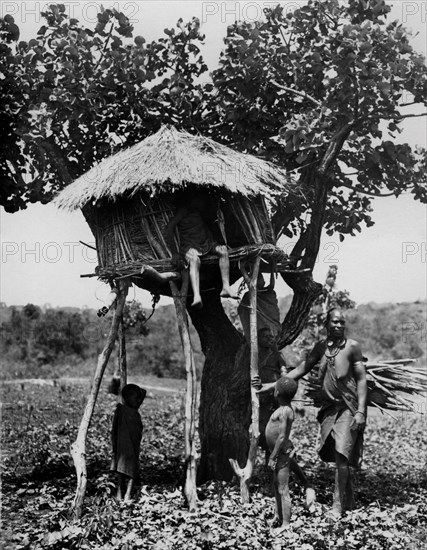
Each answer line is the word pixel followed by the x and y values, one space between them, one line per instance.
pixel 126 437
pixel 277 436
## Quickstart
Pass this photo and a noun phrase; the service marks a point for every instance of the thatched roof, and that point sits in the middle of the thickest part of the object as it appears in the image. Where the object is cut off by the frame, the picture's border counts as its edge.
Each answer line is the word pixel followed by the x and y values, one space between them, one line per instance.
pixel 169 160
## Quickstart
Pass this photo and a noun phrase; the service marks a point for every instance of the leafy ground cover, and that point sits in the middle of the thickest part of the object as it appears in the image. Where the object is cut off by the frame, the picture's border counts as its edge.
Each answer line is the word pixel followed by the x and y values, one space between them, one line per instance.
pixel 40 422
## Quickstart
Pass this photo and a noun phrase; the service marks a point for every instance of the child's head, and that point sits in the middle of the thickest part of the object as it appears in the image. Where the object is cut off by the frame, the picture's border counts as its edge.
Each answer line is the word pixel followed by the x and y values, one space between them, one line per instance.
pixel 133 395
pixel 286 388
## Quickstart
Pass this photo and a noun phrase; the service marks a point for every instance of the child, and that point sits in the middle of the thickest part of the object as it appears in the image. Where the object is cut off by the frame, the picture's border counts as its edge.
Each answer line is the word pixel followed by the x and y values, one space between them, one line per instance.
pixel 281 447
pixel 126 437
pixel 265 414
pixel 197 240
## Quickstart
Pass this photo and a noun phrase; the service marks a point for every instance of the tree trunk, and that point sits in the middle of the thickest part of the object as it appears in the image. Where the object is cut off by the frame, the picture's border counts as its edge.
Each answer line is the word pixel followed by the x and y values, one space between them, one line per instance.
pixel 225 407
pixel 305 293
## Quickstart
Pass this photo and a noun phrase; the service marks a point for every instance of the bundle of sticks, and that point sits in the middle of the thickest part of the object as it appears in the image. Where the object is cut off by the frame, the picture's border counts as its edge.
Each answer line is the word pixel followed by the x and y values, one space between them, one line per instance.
pixel 392 385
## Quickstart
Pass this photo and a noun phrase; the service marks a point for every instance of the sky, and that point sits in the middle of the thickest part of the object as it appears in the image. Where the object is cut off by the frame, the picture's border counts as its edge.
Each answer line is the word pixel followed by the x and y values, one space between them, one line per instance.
pixel 42 257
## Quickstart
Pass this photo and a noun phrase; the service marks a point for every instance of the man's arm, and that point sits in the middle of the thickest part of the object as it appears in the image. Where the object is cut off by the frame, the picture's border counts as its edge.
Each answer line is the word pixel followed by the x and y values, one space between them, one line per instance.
pixel 282 438
pixel 362 385
pixel 282 365
pixel 312 360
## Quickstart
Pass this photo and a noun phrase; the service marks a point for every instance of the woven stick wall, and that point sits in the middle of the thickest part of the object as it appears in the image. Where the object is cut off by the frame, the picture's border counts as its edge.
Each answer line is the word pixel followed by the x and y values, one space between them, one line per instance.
pixel 130 232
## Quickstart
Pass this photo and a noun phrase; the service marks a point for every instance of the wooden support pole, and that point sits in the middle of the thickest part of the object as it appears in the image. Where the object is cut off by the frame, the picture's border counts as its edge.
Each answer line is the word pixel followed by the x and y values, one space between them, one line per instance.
pixel 122 354
pixel 179 298
pixel 78 448
pixel 244 474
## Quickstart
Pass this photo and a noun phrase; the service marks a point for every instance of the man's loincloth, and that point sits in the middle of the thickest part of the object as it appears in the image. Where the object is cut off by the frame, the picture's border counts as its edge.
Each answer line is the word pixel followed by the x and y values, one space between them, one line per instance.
pixel 336 435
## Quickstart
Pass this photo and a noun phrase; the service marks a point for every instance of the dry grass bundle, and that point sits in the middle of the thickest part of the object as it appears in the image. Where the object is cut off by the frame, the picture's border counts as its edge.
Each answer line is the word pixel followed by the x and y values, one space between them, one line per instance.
pixel 392 385
pixel 169 161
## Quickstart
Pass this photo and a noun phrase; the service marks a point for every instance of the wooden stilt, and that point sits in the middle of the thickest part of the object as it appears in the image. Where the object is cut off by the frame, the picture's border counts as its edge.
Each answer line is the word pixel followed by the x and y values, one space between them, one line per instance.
pixel 244 474
pixel 179 298
pixel 78 448
pixel 122 354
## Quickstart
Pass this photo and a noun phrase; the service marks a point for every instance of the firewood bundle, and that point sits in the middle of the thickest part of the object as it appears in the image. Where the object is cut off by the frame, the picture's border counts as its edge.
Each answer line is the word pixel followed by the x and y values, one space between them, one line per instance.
pixel 392 385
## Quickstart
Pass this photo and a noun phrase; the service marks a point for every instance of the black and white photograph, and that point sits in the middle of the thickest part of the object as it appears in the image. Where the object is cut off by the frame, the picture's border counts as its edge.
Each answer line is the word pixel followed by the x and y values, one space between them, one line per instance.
pixel 213 284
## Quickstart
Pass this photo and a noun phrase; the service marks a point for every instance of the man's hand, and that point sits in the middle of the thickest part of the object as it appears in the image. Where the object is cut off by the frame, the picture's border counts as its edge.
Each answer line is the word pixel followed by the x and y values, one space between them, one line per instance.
pixel 256 382
pixel 272 463
pixel 359 421
pixel 262 388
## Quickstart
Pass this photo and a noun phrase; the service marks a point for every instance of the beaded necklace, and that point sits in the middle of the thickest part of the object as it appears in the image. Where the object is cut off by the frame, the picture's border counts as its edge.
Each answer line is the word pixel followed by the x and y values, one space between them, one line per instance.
pixel 332 351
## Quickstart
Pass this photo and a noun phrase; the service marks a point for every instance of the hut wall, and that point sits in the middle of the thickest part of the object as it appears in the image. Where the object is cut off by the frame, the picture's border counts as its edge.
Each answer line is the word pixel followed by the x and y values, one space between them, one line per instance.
pixel 133 229
pixel 130 230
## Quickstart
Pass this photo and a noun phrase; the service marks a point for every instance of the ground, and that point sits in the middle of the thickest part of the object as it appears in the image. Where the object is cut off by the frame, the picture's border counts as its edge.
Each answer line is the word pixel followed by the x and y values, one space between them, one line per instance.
pixel 40 421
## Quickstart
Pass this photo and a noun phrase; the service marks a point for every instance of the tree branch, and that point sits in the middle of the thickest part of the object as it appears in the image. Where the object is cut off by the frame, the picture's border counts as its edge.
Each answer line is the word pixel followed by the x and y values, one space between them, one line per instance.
pixel 296 92
pixel 411 116
pixel 55 154
pixel 335 147
pixel 305 293
pixel 366 192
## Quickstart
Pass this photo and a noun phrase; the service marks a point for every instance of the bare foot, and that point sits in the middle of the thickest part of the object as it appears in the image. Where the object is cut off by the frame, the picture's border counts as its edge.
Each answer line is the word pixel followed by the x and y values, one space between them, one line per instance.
pixel 156 275
pixel 275 521
pixel 280 530
pixel 197 303
pixel 310 499
pixel 226 292
pixel 334 514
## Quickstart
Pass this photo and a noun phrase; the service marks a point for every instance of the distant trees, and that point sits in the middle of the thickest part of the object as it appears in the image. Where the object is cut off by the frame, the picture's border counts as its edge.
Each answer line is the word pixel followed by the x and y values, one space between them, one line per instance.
pixel 44 337
pixel 36 337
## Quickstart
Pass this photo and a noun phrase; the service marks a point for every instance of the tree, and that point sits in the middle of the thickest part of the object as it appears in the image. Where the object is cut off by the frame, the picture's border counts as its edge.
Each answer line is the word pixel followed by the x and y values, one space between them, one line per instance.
pixel 72 95
pixel 315 91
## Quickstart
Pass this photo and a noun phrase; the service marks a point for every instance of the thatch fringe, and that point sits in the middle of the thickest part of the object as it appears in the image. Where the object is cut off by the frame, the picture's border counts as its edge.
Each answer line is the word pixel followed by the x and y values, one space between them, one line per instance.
pixel 169 161
pixel 392 385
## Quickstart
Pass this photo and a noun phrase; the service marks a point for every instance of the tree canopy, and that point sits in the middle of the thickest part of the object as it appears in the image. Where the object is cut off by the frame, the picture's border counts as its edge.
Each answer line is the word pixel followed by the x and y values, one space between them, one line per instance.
pixel 323 87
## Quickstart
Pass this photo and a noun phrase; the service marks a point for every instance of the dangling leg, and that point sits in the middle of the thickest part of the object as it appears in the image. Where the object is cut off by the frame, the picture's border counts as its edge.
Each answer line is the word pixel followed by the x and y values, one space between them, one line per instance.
pixel 160 278
pixel 224 266
pixel 192 257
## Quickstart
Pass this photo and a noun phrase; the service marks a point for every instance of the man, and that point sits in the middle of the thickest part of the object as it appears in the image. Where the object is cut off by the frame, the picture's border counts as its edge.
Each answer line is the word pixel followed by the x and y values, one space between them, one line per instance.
pixel 342 416
pixel 268 313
